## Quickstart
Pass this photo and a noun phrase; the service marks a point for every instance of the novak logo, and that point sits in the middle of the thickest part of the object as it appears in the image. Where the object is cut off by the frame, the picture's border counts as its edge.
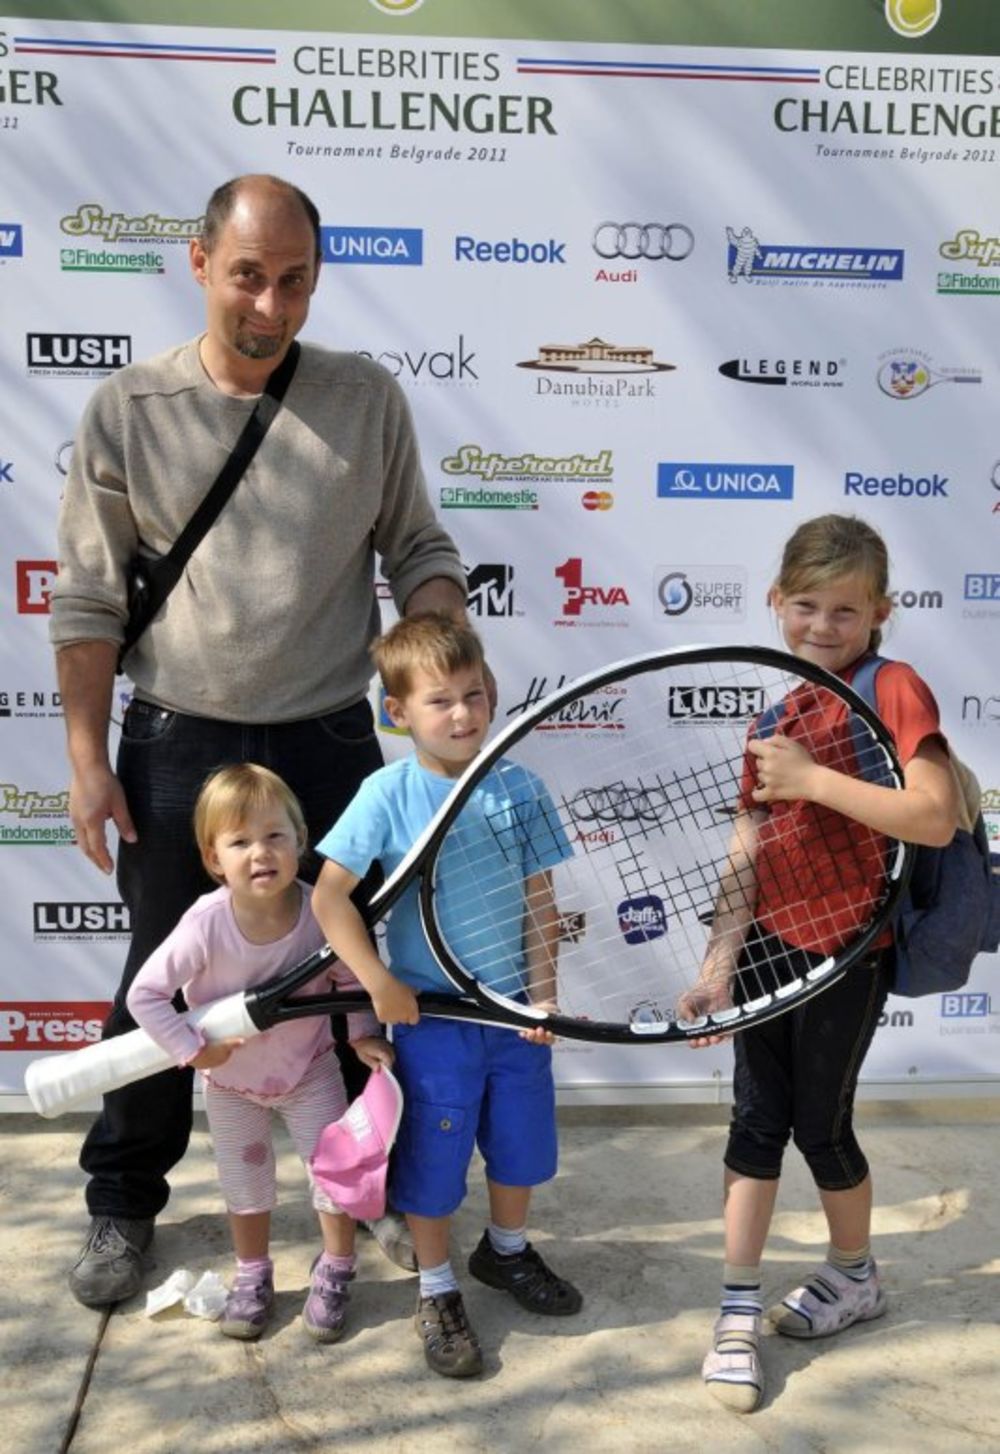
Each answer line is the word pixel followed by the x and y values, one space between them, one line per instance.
pixel 11 239
pixel 78 355
pixel 578 596
pixel 6 471
pixel 442 366
pixel 491 590
pixel 801 373
pixel 714 704
pixel 399 246
pixel 35 579
pixel 753 261
pixel 642 919
pixel 50 1025
pixel 688 480
pixel 80 921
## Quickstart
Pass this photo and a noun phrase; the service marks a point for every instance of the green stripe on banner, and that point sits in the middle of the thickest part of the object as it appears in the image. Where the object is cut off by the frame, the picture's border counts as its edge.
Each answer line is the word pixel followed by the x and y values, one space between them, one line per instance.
pixel 963 27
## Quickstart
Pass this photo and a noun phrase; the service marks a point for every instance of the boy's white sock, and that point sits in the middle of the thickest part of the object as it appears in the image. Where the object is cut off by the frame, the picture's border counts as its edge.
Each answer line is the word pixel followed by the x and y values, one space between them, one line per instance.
pixel 507 1241
pixel 437 1280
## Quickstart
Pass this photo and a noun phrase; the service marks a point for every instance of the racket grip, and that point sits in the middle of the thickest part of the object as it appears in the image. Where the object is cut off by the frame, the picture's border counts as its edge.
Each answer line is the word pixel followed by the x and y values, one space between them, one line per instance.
pixel 61 1082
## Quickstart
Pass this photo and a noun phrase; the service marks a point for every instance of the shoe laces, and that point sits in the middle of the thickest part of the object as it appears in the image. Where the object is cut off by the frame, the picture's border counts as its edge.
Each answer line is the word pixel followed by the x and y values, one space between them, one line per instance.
pixel 450 1316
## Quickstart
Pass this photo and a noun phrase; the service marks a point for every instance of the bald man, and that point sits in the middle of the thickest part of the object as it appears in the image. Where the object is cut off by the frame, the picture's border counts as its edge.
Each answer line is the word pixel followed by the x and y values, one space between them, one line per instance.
pixel 261 651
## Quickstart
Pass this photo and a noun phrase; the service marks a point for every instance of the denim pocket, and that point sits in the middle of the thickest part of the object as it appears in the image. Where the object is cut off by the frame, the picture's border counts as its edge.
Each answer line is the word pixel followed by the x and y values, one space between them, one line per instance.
pixel 145 722
pixel 351 726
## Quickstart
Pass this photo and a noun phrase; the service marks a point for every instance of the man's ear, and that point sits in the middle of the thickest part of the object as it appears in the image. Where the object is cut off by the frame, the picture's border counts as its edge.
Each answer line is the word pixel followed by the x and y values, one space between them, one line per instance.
pixel 198 258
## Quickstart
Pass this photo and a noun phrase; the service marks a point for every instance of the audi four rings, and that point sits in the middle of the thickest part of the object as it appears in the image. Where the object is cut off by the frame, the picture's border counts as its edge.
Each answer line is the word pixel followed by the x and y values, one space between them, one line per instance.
pixel 652 240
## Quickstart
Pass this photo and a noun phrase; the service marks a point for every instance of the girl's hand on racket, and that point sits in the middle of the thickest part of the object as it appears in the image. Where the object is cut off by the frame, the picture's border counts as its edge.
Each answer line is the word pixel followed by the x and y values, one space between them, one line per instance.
pixel 541 1034
pixel 210 1057
pixel 784 769
pixel 703 999
pixel 373 1052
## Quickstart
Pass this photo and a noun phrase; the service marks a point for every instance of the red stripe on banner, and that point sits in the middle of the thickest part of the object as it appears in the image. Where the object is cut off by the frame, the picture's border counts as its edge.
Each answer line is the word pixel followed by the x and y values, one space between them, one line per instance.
pixel 131 55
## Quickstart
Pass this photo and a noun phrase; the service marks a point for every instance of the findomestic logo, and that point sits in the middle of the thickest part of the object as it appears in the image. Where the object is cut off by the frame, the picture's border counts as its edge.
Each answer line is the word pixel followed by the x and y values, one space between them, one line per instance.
pixel 385 246
pixel 11 239
pixel 86 260
pixel 752 261
pixel 689 480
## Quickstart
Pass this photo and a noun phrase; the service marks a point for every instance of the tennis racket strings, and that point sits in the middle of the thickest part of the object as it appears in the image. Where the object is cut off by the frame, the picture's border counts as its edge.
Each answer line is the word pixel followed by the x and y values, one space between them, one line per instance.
pixel 665 874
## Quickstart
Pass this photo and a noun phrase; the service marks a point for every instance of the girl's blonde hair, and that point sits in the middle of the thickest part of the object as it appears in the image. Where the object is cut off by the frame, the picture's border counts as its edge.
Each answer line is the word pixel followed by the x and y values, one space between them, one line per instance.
pixel 827 549
pixel 430 641
pixel 228 798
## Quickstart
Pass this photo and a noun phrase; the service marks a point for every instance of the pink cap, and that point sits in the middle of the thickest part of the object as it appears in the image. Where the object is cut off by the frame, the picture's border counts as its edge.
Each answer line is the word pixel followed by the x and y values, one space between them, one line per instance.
pixel 352 1155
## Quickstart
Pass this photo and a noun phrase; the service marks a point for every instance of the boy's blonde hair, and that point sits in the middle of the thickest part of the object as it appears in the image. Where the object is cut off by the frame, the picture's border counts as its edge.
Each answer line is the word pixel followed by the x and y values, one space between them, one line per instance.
pixel 229 796
pixel 430 642
pixel 830 547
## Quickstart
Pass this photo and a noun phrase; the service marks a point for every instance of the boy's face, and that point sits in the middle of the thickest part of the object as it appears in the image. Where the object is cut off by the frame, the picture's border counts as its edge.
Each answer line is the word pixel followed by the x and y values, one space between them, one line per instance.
pixel 448 717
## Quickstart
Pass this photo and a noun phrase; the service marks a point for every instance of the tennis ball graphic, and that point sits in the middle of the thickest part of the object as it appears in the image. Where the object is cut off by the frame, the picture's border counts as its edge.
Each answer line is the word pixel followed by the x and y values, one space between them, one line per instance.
pixel 912 17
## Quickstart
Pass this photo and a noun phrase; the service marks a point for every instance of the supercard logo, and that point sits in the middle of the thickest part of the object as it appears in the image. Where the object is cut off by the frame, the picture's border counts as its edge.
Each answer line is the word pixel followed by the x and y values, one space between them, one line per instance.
pixel 642 919
pixel 44 1025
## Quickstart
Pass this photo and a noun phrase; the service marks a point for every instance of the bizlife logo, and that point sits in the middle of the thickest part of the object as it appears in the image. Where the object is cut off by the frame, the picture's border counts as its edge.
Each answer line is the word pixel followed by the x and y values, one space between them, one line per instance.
pixel 753 261
pixel 385 246
pixel 688 480
pixel 11 239
pixel 982 586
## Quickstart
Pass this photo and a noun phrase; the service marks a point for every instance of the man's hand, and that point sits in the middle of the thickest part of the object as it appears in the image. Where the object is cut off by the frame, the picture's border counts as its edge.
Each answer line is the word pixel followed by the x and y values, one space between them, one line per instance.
pixel 95 796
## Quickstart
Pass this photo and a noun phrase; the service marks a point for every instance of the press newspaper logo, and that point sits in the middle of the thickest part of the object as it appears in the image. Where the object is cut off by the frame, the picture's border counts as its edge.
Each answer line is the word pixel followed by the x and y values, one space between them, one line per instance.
pixel 51 1025
pixel 751 261
pixel 34 582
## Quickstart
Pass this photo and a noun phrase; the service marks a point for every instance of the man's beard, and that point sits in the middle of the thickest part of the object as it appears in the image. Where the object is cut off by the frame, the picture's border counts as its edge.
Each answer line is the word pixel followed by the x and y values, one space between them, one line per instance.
pixel 258 345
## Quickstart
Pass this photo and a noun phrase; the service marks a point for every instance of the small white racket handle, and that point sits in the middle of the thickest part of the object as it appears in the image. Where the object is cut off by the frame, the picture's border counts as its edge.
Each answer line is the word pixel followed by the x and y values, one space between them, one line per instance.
pixel 60 1082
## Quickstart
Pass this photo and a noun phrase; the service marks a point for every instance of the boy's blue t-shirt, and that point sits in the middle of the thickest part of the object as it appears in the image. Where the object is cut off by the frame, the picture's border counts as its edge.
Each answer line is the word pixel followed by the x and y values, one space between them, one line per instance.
pixel 507 830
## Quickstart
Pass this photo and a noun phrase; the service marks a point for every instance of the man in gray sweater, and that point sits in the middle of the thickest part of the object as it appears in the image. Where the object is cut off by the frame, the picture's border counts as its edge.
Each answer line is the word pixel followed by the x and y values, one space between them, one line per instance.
pixel 260 652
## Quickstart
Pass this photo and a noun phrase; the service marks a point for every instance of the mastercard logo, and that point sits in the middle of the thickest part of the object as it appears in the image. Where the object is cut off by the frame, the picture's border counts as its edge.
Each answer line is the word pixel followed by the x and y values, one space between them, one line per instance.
pixel 597 500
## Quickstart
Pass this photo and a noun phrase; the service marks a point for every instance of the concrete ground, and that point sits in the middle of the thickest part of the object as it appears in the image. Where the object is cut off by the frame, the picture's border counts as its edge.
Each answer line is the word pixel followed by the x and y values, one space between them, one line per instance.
pixel 633 1220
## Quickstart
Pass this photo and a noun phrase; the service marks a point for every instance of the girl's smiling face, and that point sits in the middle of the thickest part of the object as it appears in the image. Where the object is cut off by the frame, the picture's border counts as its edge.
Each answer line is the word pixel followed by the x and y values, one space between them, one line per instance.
pixel 830 624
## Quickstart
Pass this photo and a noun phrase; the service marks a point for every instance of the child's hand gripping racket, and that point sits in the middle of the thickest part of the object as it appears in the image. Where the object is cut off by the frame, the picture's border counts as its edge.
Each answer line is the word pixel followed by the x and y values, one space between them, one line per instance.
pixel 641 773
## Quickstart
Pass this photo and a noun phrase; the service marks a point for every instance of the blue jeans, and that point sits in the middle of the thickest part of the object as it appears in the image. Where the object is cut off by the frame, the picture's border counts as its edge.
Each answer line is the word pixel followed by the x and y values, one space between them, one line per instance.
pixel 163 759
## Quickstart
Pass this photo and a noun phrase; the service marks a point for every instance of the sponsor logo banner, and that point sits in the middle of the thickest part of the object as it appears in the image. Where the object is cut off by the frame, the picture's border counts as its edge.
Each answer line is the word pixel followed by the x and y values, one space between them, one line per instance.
pixel 691 480
pixel 79 921
pixel 385 246
pixel 701 592
pixel 800 373
pixel 750 260
pixel 11 239
pixel 77 355
pixel 51 1025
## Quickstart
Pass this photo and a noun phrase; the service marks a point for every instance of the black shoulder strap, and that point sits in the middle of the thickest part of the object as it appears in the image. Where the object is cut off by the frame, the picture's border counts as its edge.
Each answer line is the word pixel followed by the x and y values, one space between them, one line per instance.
pixel 234 468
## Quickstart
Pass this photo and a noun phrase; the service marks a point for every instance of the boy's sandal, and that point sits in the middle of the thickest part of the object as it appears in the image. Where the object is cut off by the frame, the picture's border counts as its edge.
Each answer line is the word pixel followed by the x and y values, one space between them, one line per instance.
pixel 732 1369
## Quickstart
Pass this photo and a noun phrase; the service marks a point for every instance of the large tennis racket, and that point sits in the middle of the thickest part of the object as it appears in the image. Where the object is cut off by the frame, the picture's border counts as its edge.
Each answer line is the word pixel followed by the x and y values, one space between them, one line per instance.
pixel 640 776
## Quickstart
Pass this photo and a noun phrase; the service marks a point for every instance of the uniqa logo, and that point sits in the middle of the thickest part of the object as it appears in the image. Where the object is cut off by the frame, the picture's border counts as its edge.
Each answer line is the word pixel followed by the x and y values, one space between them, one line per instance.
pixel 912 18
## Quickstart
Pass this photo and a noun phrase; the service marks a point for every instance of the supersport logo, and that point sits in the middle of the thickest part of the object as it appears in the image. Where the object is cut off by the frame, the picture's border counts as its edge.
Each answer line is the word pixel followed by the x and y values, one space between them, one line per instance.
pixel 621 802
pixel 654 241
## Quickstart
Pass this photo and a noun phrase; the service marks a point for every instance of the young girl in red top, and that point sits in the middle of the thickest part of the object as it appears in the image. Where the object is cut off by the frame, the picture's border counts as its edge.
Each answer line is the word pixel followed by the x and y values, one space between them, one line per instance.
pixel 796 1075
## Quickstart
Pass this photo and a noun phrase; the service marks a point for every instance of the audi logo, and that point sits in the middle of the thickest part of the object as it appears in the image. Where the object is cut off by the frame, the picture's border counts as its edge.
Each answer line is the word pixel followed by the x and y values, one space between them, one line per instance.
pixel 651 240
pixel 620 803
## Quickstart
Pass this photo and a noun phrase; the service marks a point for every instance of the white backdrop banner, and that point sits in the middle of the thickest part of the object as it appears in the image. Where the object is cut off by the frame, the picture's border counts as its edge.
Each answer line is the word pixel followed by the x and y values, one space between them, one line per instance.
pixel 659 287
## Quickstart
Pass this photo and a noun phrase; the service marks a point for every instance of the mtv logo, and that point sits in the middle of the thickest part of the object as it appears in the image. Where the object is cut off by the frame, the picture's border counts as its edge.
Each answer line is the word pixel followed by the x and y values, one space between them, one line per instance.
pixel 491 590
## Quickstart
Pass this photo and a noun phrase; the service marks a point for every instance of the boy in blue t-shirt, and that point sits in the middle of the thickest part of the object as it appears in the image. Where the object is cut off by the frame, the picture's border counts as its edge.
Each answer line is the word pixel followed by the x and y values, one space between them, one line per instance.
pixel 464 1083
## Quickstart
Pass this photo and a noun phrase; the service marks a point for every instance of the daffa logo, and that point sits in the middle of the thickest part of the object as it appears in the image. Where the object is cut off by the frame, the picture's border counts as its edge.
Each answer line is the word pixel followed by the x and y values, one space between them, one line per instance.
pixel 912 18
pixel 396 7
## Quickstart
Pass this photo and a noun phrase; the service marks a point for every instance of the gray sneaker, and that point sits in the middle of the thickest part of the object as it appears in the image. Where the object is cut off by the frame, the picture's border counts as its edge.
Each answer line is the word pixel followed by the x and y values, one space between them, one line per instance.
pixel 395 1239
pixel 451 1347
pixel 112 1262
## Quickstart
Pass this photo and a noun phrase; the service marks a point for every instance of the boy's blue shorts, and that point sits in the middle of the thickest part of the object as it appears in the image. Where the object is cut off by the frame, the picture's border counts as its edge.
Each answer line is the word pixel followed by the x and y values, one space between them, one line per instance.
pixel 466 1084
